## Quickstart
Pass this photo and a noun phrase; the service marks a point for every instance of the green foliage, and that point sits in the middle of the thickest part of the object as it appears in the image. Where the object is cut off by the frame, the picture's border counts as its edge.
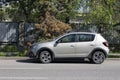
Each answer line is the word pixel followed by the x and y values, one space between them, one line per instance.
pixel 34 10
pixel 67 9
pixel 12 54
pixel 115 48
pixel 12 50
pixel 2 54
pixel 99 13
pixel 2 15
pixel 103 11
pixel 43 6
pixel 9 48
pixel 22 10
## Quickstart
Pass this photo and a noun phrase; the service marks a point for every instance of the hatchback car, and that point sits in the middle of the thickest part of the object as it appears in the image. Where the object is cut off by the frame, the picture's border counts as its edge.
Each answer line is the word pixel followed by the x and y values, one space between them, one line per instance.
pixel 75 44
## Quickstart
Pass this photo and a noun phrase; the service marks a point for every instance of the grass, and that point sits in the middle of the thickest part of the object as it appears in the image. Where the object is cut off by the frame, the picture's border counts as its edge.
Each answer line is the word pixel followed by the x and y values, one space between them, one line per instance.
pixel 111 56
pixel 12 54
pixel 9 48
pixel 114 55
pixel 2 54
pixel 12 50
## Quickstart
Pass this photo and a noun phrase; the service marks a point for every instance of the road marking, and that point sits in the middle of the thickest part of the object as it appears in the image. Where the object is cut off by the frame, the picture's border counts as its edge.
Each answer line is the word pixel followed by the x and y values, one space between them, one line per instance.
pixel 24 78
pixel 20 68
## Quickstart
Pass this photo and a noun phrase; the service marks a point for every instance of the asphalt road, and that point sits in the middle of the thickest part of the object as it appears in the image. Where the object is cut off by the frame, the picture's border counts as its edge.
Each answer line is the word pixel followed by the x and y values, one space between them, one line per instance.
pixel 27 69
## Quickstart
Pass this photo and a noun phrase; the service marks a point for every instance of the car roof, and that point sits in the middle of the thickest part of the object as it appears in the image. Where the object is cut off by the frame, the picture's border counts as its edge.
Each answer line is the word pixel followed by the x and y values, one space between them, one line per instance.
pixel 82 33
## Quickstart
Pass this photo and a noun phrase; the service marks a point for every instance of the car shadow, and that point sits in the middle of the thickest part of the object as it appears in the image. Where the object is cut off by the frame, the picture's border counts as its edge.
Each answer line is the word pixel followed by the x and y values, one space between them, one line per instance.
pixel 57 61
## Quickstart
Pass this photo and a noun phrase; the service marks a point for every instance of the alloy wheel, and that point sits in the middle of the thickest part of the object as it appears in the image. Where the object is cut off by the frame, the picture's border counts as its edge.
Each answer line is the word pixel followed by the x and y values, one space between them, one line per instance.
pixel 45 57
pixel 98 57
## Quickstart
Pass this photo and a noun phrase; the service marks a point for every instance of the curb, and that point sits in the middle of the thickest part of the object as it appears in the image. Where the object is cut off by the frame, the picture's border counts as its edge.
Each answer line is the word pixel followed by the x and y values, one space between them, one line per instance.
pixel 118 59
pixel 114 54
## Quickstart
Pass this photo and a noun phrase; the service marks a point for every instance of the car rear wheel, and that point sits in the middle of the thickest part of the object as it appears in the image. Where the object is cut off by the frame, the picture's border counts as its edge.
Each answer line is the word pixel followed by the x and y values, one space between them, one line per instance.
pixel 98 57
pixel 45 57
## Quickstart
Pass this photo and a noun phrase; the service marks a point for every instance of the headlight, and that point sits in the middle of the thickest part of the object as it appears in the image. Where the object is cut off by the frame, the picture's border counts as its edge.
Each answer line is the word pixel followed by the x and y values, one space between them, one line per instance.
pixel 34 46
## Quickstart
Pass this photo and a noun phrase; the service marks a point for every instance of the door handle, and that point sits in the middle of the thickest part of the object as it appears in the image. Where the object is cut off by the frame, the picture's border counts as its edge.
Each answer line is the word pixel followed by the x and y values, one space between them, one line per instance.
pixel 91 44
pixel 71 45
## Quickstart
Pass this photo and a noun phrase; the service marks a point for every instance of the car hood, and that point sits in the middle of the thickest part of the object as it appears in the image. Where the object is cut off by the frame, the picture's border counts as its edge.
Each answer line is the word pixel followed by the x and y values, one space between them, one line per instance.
pixel 42 43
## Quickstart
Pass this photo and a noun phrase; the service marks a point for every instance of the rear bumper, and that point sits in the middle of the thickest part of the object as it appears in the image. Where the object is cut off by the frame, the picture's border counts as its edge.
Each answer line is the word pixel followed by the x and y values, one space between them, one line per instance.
pixel 107 50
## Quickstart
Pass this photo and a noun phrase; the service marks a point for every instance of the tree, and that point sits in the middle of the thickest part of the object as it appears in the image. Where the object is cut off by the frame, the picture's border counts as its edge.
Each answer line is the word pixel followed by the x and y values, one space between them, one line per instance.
pixel 22 10
pixel 50 27
pixel 43 6
pixel 68 9
pixel 3 15
pixel 34 10
pixel 116 16
pixel 99 12
pixel 103 11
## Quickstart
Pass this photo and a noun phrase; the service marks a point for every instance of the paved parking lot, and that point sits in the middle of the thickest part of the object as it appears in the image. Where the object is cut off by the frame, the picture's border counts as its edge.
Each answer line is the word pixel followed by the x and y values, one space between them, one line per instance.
pixel 28 69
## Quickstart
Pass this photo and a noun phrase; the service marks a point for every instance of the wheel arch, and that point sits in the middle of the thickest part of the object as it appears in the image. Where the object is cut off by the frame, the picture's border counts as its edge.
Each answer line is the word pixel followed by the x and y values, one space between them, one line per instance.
pixel 97 49
pixel 43 49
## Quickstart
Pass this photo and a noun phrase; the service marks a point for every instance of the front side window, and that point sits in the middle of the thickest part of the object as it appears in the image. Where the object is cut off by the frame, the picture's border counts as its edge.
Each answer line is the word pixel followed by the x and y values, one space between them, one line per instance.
pixel 85 37
pixel 68 38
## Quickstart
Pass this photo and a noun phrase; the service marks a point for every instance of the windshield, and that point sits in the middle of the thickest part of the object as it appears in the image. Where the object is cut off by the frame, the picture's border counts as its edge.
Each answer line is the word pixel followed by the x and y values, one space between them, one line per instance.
pixel 57 37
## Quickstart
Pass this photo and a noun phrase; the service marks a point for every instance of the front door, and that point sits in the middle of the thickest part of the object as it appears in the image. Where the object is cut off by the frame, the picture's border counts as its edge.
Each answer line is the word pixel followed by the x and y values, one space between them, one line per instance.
pixel 66 46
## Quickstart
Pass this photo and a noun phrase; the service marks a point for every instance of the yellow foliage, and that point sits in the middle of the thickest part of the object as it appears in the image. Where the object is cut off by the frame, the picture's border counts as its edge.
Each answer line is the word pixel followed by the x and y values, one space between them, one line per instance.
pixel 51 27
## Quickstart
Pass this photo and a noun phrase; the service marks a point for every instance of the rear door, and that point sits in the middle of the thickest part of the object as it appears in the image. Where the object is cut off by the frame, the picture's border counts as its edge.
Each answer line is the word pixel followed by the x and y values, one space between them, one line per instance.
pixel 85 44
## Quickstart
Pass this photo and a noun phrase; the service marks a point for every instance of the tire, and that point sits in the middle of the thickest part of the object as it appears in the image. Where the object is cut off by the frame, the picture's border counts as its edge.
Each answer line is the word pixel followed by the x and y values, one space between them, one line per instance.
pixel 98 57
pixel 45 57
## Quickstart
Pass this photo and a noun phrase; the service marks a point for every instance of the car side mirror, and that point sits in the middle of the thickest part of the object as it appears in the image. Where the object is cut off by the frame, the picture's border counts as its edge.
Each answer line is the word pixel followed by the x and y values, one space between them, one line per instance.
pixel 57 42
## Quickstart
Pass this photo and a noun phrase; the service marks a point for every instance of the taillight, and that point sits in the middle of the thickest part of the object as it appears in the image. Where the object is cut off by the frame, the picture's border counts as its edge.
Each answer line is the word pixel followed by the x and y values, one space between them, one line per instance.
pixel 106 44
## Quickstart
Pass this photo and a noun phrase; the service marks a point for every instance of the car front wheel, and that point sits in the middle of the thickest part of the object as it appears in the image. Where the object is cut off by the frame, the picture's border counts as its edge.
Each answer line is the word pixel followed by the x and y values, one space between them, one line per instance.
pixel 98 57
pixel 45 57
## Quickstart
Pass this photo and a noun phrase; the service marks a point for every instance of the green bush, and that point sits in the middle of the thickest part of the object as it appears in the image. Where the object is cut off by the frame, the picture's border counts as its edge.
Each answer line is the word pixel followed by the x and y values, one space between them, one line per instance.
pixel 9 48
pixel 115 48
pixel 12 50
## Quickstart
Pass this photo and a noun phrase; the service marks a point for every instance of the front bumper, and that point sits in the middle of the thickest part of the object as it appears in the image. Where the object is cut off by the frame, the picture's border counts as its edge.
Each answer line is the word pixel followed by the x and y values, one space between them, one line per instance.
pixel 31 55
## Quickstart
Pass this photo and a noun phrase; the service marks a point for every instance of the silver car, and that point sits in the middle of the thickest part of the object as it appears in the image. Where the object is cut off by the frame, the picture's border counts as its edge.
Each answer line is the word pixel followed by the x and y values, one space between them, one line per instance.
pixel 75 44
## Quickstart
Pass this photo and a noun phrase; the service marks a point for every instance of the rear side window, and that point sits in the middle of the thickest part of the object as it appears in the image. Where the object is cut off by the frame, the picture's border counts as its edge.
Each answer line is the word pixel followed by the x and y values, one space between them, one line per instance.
pixel 85 37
